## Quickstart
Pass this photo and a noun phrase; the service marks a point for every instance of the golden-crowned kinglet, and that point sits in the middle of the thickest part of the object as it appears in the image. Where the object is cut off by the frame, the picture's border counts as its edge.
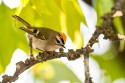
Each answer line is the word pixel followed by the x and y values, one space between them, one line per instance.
pixel 43 38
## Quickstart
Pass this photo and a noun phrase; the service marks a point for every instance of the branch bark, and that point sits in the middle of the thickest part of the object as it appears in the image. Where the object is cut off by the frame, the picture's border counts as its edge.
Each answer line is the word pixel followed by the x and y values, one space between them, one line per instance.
pixel 41 57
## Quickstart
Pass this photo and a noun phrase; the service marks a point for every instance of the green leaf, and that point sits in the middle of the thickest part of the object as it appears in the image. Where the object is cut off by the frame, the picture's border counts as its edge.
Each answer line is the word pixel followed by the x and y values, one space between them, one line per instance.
pixel 1 68
pixel 10 36
pixel 118 25
pixel 102 7
pixel 112 62
pixel 23 3
pixel 73 17
pixel 58 2
pixel 120 29
pixel 53 72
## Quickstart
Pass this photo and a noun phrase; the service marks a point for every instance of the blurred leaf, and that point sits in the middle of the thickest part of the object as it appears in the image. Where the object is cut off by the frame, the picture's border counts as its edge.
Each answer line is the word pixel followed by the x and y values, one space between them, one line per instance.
pixel 112 62
pixel 53 72
pixel 58 2
pixel 23 3
pixel 1 68
pixel 102 7
pixel 73 19
pixel 118 25
pixel 120 29
pixel 10 36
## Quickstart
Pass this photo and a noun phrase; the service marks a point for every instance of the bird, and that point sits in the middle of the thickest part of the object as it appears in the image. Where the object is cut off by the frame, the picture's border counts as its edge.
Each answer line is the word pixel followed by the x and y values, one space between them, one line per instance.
pixel 43 38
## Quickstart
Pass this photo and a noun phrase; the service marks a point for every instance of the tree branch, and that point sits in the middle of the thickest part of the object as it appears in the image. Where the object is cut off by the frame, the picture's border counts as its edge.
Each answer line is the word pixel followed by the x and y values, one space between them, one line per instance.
pixel 105 28
pixel 41 57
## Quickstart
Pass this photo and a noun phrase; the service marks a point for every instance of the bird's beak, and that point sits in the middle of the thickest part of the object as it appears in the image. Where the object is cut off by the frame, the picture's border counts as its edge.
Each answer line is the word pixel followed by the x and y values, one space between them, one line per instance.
pixel 63 46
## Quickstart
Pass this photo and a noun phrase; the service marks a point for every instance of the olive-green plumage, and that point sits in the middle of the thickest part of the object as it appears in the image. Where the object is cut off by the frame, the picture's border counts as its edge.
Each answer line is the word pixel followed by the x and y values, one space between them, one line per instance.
pixel 43 38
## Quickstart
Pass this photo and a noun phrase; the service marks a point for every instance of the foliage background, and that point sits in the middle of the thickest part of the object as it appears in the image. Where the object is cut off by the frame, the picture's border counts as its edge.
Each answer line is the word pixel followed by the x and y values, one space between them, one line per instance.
pixel 66 16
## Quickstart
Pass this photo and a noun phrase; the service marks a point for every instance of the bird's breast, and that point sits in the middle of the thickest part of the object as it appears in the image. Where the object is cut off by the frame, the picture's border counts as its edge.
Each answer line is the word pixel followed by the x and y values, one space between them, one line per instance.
pixel 44 45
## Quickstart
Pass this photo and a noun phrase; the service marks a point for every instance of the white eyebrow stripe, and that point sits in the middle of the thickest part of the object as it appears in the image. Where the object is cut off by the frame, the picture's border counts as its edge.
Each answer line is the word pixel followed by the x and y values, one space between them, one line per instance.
pixel 59 39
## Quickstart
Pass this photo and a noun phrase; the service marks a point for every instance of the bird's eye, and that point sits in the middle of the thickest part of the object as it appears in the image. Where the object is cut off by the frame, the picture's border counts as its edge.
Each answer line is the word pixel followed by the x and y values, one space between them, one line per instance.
pixel 57 41
pixel 62 40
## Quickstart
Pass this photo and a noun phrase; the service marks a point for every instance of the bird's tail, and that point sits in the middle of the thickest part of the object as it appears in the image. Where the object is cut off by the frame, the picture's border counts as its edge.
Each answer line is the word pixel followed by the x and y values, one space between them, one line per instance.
pixel 26 24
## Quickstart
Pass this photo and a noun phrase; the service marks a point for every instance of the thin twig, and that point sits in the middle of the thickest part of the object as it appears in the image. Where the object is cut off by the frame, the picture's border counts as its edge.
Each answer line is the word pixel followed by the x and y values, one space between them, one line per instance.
pixel 88 78
pixel 30 45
